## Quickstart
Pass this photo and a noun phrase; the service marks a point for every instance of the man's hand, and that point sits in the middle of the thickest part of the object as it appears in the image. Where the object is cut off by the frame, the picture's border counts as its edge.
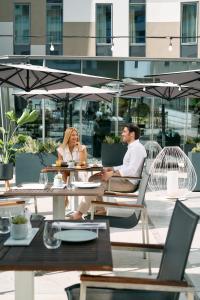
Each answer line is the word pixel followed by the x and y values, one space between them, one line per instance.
pixel 107 169
pixel 106 175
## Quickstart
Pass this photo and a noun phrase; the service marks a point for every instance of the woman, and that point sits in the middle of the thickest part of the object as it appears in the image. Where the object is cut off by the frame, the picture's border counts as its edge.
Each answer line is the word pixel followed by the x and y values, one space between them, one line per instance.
pixel 71 149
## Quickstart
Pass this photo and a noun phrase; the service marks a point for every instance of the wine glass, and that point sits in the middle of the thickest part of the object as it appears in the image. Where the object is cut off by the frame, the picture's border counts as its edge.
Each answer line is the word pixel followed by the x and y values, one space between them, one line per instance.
pixel 43 179
pixel 5 222
pixel 49 239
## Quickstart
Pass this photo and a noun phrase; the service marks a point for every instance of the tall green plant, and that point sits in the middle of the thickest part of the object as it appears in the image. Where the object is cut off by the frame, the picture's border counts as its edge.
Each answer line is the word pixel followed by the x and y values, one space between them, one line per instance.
pixel 8 134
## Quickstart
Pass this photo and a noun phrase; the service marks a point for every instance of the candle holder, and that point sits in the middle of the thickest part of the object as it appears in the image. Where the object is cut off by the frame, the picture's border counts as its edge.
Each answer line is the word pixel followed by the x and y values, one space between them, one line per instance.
pixel 172 174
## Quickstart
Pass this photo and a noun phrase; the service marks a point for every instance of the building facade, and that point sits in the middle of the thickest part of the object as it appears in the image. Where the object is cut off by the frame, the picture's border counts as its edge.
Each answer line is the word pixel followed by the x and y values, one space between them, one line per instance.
pixel 113 38
pixel 118 28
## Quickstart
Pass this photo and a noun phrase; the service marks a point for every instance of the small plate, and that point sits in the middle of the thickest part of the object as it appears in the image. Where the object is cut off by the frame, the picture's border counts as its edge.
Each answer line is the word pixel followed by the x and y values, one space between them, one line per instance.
pixel 58 187
pixel 86 185
pixel 11 242
pixel 76 235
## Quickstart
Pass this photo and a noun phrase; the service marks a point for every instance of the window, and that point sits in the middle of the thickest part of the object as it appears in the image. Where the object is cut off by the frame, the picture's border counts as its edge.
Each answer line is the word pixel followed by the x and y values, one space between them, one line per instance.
pixel 22 29
pixel 189 23
pixel 54 27
pixel 104 23
pixel 137 23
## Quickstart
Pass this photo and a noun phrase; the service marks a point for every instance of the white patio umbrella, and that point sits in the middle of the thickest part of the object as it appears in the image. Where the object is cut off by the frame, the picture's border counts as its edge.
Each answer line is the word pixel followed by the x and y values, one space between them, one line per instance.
pixel 28 77
pixel 191 78
pixel 166 90
pixel 71 94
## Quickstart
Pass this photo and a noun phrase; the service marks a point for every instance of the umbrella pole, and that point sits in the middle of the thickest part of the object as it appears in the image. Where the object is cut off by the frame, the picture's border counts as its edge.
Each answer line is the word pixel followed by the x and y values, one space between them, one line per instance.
pixel 1 103
pixel 186 121
pixel 163 125
pixel 81 120
pixel 117 115
pixel 70 114
pixel 66 104
pixel 152 117
pixel 43 121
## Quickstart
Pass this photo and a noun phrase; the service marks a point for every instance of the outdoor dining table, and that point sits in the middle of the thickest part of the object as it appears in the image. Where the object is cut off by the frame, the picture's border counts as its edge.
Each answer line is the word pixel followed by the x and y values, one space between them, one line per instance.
pixel 94 255
pixel 57 194
pixel 73 172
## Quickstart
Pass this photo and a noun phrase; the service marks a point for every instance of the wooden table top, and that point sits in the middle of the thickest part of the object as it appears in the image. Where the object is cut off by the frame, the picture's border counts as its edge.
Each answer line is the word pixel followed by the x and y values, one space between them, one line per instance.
pixel 49 191
pixel 92 255
pixel 74 169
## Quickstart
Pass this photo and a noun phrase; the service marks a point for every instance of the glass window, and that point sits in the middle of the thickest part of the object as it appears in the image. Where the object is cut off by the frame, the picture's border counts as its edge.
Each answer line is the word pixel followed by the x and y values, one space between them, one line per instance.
pixel 104 23
pixel 54 27
pixel 137 23
pixel 22 29
pixel 189 23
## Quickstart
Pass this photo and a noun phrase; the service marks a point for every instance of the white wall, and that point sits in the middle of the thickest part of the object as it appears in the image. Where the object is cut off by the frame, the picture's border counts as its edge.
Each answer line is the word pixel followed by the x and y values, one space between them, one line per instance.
pixel 78 11
pixel 164 11
pixel 38 49
pixel 6 28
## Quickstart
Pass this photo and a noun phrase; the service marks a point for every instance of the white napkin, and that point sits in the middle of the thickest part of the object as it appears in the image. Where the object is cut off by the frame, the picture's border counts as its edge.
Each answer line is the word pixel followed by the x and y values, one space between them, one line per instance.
pixel 30 186
pixel 82 225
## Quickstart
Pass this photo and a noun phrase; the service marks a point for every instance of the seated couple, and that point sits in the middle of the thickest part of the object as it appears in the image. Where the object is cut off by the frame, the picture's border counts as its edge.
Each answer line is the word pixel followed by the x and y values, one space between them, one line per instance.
pixel 132 165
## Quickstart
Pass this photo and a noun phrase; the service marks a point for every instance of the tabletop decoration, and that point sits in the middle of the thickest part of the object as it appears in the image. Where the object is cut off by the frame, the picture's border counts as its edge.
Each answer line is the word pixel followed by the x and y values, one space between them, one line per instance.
pixel 19 227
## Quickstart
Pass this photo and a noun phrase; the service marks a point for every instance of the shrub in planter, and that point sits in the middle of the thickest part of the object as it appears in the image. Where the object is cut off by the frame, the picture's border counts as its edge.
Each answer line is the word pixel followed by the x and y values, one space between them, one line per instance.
pixel 8 141
pixel 33 157
pixel 194 156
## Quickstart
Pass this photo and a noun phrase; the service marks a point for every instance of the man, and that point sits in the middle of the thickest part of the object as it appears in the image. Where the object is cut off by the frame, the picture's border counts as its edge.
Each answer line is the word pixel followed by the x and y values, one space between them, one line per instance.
pixel 132 165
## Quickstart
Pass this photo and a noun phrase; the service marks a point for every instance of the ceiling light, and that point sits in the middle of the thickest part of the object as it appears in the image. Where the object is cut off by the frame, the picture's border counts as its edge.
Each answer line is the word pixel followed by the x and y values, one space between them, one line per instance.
pixel 170 48
pixel 52 47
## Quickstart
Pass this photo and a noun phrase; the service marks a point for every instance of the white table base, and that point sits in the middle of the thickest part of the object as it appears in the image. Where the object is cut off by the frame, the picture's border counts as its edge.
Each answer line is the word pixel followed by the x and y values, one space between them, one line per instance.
pixel 24 285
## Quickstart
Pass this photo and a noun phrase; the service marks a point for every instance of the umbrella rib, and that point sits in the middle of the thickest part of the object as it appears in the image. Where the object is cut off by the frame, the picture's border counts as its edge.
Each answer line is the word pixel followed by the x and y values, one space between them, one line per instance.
pixel 7 80
pixel 55 80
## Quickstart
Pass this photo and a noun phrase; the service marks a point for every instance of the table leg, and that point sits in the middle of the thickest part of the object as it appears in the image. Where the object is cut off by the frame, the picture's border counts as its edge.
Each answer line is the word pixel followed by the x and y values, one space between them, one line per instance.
pixel 58 207
pixel 24 285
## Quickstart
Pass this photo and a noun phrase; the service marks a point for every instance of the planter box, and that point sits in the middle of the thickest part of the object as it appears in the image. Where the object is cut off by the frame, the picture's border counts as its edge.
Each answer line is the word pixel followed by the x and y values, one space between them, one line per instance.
pixel 112 154
pixel 188 148
pixel 6 171
pixel 195 159
pixel 29 165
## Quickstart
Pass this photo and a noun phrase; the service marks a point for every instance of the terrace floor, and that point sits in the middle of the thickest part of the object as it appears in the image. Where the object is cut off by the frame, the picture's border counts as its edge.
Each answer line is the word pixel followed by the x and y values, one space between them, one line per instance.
pixel 49 286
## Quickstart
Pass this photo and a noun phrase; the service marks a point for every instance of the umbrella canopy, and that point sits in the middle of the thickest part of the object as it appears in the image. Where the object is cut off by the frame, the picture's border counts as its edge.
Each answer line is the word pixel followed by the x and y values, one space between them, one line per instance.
pixel 167 90
pixel 87 92
pixel 191 78
pixel 29 77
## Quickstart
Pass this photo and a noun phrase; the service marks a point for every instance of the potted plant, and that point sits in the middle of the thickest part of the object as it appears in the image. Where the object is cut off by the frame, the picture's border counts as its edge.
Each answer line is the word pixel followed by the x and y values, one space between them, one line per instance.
pixel 19 227
pixel 32 157
pixel 194 156
pixel 112 151
pixel 8 141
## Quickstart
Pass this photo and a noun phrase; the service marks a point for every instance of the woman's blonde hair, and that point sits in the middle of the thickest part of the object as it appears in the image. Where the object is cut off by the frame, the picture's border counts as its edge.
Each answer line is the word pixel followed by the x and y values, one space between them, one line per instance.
pixel 67 135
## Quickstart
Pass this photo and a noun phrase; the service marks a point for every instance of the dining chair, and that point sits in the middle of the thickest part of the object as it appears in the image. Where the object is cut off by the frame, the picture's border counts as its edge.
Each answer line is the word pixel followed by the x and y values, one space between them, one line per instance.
pixel 170 281
pixel 138 210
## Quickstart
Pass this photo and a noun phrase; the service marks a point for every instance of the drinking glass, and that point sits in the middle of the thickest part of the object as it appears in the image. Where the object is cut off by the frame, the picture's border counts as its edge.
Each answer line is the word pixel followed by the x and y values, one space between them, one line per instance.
pixel 5 224
pixel 43 179
pixel 50 241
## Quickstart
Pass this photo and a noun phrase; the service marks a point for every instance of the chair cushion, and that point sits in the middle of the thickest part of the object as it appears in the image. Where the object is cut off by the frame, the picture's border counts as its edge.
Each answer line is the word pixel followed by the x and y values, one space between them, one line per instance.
pixel 73 293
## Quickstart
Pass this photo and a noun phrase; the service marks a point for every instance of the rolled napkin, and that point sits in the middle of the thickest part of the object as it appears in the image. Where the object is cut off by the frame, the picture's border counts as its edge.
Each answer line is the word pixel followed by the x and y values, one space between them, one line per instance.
pixel 30 186
pixel 82 225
